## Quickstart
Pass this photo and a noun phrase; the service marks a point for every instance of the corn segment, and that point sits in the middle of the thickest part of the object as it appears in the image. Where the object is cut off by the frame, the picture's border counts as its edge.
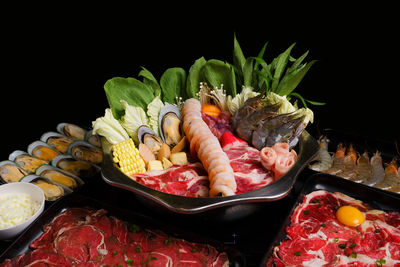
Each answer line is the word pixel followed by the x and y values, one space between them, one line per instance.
pixel 126 155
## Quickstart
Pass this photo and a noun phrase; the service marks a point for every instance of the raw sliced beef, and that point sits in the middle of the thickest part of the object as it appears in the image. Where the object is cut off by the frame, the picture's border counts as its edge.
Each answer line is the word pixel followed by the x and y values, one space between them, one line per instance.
pixel 316 238
pixel 87 237
pixel 190 180
pixel 246 163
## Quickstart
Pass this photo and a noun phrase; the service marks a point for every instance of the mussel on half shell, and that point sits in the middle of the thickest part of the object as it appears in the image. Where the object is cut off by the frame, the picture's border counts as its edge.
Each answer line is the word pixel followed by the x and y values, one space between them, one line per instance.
pixel 28 163
pixel 84 151
pixel 10 172
pixel 52 191
pixel 57 140
pixel 80 168
pixel 42 150
pixel 71 130
pixel 170 124
pixel 148 137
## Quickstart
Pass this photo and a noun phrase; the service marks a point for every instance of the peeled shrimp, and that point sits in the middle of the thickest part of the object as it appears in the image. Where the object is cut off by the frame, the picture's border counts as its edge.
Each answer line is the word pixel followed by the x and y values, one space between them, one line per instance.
pixel 378 172
pixel 364 169
pixel 391 182
pixel 350 164
pixel 338 161
pixel 208 149
pixel 323 158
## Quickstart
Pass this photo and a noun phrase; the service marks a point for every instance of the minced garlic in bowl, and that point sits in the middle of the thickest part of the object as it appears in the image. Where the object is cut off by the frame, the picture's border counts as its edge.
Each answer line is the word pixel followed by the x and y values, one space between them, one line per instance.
pixel 16 208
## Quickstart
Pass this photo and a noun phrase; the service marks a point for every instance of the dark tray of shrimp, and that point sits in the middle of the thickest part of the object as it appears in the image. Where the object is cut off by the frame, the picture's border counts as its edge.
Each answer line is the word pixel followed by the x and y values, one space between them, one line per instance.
pixel 358 158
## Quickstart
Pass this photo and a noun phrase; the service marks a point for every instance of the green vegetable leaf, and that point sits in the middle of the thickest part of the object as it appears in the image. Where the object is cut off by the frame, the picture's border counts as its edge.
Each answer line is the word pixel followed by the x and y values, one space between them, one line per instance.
pixel 297 62
pixel 133 91
pixel 248 72
pixel 193 79
pixel 150 80
pixel 238 58
pixel 216 72
pixel 173 84
pixel 288 86
pixel 280 65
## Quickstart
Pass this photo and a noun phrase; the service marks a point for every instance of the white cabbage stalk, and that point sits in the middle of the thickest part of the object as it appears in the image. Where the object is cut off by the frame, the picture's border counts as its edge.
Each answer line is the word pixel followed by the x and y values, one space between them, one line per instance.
pixel 235 103
pixel 153 111
pixel 309 115
pixel 110 128
pixel 287 107
pixel 134 118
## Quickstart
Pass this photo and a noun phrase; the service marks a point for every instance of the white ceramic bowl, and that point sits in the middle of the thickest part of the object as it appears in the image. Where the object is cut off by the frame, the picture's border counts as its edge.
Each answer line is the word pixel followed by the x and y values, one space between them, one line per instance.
pixel 35 193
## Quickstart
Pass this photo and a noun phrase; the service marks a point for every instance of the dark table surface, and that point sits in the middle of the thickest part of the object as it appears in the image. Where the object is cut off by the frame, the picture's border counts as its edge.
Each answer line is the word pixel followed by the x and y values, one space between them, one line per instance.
pixel 251 235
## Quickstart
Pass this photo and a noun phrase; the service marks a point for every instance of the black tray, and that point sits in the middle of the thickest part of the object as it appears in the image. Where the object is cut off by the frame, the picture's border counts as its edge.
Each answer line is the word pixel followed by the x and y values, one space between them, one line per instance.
pixel 21 244
pixel 222 208
pixel 388 148
pixel 376 198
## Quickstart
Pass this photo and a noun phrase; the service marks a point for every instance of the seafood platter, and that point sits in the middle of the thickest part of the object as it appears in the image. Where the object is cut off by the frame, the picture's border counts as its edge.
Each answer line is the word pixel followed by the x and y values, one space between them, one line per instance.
pixel 203 167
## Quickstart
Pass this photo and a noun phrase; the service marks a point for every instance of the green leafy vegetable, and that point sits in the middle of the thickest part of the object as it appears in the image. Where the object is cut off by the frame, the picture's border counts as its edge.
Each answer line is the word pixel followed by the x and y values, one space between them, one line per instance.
pixel 216 72
pixel 193 79
pixel 131 90
pixel 173 84
pixel 134 118
pixel 153 111
pixel 150 80
pixel 110 128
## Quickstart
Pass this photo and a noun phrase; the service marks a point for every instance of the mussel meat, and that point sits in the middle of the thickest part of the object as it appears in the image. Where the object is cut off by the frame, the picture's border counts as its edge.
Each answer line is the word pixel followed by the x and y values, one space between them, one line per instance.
pixel 60 143
pixel 42 150
pixel 148 137
pixel 93 139
pixel 86 152
pixel 72 130
pixel 10 172
pixel 170 125
pixel 78 168
pixel 28 163
pixel 51 191
pixel 60 178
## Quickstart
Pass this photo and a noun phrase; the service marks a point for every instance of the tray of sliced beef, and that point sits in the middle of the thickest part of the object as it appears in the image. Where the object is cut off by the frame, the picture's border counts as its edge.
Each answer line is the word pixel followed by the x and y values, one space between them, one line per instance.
pixel 336 222
pixel 80 231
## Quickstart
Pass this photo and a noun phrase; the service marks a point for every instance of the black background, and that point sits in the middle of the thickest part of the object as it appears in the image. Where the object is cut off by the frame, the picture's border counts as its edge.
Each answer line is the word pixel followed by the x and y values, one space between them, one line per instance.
pixel 56 63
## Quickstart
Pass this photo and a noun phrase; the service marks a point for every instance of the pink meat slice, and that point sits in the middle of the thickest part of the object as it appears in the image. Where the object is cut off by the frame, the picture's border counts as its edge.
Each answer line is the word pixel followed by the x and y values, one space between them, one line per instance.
pixel 81 244
pixel 246 164
pixel 190 180
pixel 38 257
pixel 65 220
pixel 316 238
pixel 101 240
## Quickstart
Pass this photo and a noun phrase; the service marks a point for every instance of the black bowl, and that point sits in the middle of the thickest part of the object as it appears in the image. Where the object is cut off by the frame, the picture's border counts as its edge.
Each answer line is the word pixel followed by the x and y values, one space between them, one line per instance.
pixel 224 208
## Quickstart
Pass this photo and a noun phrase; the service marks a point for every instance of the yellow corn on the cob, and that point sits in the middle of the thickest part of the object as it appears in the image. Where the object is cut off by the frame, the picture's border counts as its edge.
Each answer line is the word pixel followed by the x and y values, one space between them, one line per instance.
pixel 126 155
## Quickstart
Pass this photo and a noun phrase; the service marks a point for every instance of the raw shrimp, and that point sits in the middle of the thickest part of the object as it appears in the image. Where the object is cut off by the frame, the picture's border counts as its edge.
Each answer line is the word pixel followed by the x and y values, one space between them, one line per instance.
pixel 378 172
pixel 364 169
pixel 391 182
pixel 338 161
pixel 323 158
pixel 350 164
pixel 208 149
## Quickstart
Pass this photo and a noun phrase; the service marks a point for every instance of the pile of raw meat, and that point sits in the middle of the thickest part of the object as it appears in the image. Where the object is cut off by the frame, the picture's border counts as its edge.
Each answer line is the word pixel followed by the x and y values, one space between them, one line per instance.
pixel 316 238
pixel 87 237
